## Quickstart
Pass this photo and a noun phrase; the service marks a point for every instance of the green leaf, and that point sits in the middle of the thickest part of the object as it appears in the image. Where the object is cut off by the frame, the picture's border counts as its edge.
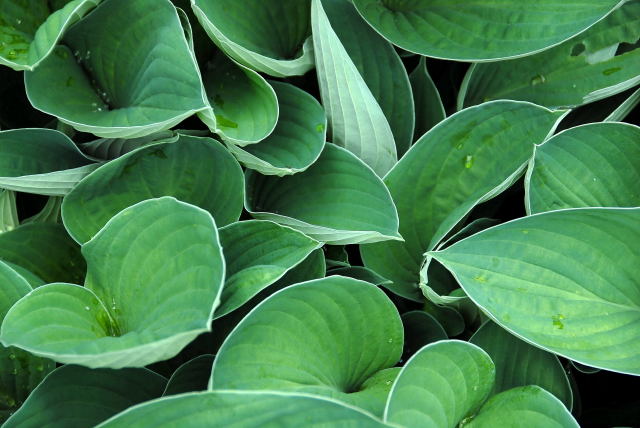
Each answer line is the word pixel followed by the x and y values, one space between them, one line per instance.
pixel 29 30
pixel 257 254
pixel 297 140
pixel 520 364
pixel 195 170
pixel 8 211
pixel 248 409
pixel 78 397
pixel 440 385
pixel 356 120
pixel 361 273
pixel 529 406
pixel 191 376
pixel 568 75
pixel 578 298
pixel 113 79
pixel 477 30
pixel 467 159
pixel 338 200
pixel 594 165
pixel 112 148
pixel 50 213
pixel 626 107
pixel 420 329
pixel 274 38
pixel 429 108
pixel 155 273
pixel 326 337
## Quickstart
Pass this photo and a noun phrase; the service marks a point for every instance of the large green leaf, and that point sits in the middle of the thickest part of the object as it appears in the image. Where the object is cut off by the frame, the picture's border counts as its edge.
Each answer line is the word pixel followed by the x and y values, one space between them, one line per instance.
pixel 440 385
pixel 42 161
pixel 274 38
pixel 257 254
pixel 333 337
pixel 581 70
pixel 191 376
pixel 124 71
pixel 520 364
pixel 356 120
pixel 477 30
pixel 338 200
pixel 246 409
pixel 594 165
pixel 155 273
pixel 195 170
pixel 466 159
pixel 578 296
pixel 29 29
pixel 297 140
pixel 78 397
pixel 428 104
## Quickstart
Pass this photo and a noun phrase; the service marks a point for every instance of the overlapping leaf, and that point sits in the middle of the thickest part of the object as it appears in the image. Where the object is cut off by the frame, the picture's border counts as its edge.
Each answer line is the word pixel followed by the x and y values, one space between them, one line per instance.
pixel 428 105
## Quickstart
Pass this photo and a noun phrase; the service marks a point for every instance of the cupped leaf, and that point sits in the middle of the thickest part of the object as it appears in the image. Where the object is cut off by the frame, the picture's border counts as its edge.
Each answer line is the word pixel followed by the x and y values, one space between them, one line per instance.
pixel 124 71
pixel 274 38
pixel 248 409
pixel 155 273
pixel 594 165
pixel 520 364
pixel 78 397
pixel 356 120
pixel 529 406
pixel 327 337
pixel 191 376
pixel 193 169
pixel 466 159
pixel 578 296
pixel 477 30
pixel 581 70
pixel 297 140
pixel 428 104
pixel 29 30
pixel 440 385
pixel 338 200
pixel 257 254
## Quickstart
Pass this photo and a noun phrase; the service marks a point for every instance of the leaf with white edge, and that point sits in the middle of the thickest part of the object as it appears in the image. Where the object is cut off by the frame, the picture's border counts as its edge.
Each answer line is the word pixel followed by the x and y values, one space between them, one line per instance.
pixel 626 107
pixel 297 140
pixel 33 279
pixel 274 38
pixel 50 213
pixel 257 254
pixel 568 75
pixel 191 376
pixel 78 397
pixel 429 108
pixel 112 148
pixel 477 30
pixel 326 337
pixel 440 385
pixel 593 165
pixel 8 211
pixel 520 364
pixel 529 406
pixel 579 298
pixel 338 200
pixel 356 120
pixel 29 29
pixel 195 170
pixel 124 71
pixel 155 273
pixel 246 409
pixel 467 159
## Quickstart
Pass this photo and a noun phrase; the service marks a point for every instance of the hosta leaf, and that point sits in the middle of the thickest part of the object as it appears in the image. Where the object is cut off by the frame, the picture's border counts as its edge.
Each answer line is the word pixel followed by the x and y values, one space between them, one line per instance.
pixel 355 118
pixel 297 140
pixel 111 148
pixel 248 409
pixel 29 29
pixel 594 165
pixel 257 254
pixel 466 159
pixel 50 213
pixel 440 385
pixel 420 329
pixel 477 30
pixel 579 297
pixel 191 376
pixel 429 108
pixel 326 337
pixel 529 406
pixel 361 273
pixel 154 277
pixel 569 74
pixel 78 397
pixel 520 364
pixel 274 38
pixel 626 107
pixel 8 211
pixel 195 170
pixel 124 71
pixel 338 200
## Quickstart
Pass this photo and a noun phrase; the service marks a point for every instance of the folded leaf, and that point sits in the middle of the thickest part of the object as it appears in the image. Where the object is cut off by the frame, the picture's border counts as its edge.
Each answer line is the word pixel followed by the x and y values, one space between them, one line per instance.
pixel 429 108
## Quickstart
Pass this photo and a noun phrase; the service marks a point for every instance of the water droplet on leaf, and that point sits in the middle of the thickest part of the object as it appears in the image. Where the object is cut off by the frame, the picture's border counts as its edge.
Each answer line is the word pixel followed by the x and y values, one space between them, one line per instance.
pixel 468 161
pixel 537 79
